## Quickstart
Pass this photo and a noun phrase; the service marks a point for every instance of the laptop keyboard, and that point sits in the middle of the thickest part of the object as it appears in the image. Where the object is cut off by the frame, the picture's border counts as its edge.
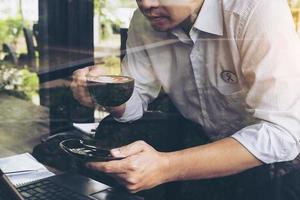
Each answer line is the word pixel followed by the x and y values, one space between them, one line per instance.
pixel 46 189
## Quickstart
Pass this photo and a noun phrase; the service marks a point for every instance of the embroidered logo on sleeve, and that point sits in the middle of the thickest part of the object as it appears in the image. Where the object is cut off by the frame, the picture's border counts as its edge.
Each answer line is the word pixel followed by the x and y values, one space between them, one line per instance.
pixel 229 77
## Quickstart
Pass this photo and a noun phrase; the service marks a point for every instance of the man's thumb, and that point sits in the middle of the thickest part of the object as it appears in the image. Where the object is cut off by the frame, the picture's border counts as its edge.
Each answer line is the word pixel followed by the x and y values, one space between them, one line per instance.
pixel 129 150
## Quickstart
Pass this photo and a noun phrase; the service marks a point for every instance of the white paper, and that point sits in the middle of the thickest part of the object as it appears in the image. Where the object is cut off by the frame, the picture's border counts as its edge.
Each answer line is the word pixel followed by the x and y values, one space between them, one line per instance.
pixel 16 165
pixel 88 128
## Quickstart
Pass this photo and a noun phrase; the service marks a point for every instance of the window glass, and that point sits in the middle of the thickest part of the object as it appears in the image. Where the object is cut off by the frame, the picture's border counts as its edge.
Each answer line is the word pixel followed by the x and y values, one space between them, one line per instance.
pixel 188 63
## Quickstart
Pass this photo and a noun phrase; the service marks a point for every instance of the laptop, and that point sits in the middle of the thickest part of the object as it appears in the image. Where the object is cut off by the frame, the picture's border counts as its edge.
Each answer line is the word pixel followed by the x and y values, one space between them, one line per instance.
pixel 67 186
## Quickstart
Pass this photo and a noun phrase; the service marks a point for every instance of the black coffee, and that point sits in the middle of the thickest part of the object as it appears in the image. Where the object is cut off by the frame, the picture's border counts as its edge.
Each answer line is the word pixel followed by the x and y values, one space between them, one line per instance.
pixel 110 91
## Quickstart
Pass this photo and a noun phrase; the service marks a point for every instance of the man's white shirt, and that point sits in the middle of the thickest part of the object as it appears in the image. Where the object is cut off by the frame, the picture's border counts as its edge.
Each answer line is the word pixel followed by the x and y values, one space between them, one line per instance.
pixel 237 73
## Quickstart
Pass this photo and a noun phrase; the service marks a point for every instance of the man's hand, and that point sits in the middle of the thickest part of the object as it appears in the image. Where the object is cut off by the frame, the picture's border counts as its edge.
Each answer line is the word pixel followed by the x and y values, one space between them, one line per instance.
pixel 81 94
pixel 79 87
pixel 142 167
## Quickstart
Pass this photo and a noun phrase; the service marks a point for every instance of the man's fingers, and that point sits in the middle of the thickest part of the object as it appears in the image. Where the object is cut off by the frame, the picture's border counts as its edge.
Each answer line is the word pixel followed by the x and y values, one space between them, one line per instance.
pixel 81 72
pixel 94 71
pixel 80 93
pixel 85 100
pixel 112 167
pixel 79 76
pixel 129 150
pixel 79 80
pixel 125 178
pixel 131 184
pixel 79 84
pixel 120 177
pixel 78 87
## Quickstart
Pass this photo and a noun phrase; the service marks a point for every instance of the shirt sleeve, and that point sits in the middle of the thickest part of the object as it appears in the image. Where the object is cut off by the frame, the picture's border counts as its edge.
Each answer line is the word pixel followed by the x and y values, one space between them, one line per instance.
pixel 137 65
pixel 270 52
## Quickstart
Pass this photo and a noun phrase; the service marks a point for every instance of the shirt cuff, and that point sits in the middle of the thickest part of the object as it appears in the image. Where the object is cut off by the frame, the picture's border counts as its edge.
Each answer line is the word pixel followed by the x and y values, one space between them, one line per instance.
pixel 133 109
pixel 268 142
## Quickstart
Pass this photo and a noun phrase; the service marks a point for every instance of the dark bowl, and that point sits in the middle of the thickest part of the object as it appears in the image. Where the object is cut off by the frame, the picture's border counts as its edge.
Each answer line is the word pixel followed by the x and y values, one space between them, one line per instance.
pixel 110 90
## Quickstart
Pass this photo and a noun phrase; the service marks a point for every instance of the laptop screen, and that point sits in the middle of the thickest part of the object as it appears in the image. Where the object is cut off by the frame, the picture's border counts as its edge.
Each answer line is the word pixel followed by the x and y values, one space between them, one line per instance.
pixel 7 189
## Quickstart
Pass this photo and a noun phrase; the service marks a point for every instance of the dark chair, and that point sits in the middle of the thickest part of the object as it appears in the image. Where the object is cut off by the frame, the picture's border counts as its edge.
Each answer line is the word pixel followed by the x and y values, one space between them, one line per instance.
pixel 29 59
pixel 30 43
pixel 36 34
pixel 10 54
pixel 123 35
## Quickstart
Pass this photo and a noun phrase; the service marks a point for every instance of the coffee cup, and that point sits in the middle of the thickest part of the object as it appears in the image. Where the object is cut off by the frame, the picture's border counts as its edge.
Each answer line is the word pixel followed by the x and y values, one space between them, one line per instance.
pixel 110 90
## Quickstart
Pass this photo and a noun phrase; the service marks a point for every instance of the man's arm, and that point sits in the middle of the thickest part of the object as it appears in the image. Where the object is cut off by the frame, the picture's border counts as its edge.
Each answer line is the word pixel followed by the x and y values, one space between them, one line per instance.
pixel 269 49
pixel 221 158
pixel 143 167
pixel 137 65
pixel 80 92
pixel 116 112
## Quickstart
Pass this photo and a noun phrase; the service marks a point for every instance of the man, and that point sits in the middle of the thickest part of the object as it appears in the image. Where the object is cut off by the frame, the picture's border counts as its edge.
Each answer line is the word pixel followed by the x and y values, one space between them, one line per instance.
pixel 231 66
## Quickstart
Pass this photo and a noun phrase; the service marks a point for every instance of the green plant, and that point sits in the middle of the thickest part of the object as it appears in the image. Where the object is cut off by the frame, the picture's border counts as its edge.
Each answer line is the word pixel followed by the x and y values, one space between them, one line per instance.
pixel 18 82
pixel 294 3
pixel 128 3
pixel 11 28
pixel 112 61
pixel 107 20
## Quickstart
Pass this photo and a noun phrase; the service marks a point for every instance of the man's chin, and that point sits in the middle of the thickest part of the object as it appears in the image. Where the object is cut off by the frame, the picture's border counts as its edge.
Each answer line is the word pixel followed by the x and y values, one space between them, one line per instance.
pixel 160 29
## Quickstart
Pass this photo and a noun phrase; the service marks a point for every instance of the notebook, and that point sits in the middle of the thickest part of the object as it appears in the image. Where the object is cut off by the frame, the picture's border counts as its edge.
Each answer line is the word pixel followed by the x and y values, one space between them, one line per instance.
pixel 23 168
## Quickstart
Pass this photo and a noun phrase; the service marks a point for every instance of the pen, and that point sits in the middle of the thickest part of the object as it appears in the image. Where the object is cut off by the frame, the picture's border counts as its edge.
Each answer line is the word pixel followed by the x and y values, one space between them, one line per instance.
pixel 20 172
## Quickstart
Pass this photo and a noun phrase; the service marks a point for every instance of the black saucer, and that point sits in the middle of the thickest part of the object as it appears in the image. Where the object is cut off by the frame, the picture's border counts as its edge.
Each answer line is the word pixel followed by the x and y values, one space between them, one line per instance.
pixel 85 152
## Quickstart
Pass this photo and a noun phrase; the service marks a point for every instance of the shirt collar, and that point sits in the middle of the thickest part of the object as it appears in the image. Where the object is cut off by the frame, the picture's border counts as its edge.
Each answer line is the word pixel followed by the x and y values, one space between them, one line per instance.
pixel 210 18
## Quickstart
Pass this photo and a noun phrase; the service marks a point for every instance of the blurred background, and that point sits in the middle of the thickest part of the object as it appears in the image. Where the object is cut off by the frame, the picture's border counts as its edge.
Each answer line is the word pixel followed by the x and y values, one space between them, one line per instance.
pixel 41 43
